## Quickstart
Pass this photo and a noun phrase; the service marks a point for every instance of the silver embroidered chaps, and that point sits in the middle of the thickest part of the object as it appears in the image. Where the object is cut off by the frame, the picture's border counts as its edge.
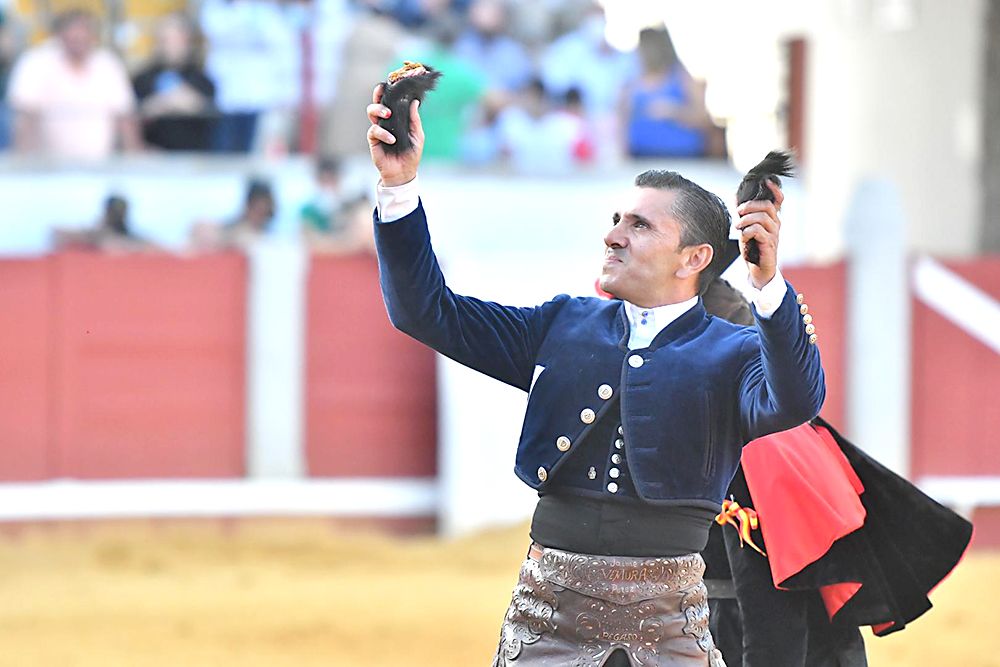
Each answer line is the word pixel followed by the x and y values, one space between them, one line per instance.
pixel 575 610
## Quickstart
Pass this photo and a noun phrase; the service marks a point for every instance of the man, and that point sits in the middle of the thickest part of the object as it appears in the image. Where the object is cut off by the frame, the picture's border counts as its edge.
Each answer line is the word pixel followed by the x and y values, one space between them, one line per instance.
pixel 251 225
pixel 71 99
pixel 841 552
pixel 637 410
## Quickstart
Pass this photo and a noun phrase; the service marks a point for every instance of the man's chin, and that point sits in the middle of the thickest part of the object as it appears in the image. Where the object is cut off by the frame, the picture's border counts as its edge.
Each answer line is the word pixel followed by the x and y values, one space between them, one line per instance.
pixel 606 284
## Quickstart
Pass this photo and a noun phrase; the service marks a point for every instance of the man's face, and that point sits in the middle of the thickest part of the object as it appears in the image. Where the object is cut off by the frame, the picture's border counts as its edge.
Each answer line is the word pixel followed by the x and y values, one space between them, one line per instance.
pixel 260 210
pixel 78 38
pixel 643 262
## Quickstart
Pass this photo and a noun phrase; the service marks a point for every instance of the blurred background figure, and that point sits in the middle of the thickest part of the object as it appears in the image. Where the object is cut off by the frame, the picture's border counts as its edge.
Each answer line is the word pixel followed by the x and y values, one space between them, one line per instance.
pixel 71 98
pixel 111 233
pixel 249 226
pixel 448 114
pixel 176 97
pixel 325 224
pixel 484 45
pixel 9 40
pixel 369 53
pixel 665 108
pixel 585 60
pixel 417 13
pixel 253 58
pixel 538 137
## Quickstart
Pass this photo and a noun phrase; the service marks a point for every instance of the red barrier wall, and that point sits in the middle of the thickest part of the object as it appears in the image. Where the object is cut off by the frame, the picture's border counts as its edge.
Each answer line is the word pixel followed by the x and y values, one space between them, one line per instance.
pixel 25 373
pixel 955 381
pixel 134 366
pixel 371 395
pixel 825 290
pixel 131 366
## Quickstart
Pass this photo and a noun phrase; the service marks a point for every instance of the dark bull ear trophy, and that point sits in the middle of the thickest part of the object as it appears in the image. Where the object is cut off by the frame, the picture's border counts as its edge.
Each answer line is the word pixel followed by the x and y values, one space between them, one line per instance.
pixel 409 82
pixel 753 187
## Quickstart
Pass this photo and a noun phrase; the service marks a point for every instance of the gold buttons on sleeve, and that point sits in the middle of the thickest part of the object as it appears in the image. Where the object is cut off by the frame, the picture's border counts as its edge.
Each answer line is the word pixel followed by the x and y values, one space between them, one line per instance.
pixel 807 319
pixel 587 416
pixel 563 443
pixel 605 391
pixel 543 474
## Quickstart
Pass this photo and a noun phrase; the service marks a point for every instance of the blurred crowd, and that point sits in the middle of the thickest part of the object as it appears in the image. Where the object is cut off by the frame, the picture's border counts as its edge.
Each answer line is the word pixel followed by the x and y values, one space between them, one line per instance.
pixel 534 87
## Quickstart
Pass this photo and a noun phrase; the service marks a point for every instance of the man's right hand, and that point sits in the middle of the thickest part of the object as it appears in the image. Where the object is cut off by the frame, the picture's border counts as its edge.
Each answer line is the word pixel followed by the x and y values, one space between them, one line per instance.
pixel 395 169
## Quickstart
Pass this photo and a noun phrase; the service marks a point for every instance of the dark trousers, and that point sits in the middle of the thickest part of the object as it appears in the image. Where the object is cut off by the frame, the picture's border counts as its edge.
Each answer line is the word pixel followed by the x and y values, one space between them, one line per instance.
pixel 234 132
pixel 618 659
pixel 782 628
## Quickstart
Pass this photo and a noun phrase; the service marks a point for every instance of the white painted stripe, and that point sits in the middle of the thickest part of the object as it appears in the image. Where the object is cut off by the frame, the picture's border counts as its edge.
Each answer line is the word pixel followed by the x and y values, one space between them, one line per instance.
pixel 962 494
pixel 962 303
pixel 366 497
pixel 962 490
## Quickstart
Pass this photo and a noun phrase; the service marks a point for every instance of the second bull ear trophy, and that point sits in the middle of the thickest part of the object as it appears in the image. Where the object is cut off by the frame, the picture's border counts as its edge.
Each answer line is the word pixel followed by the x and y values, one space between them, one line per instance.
pixel 410 82
pixel 754 187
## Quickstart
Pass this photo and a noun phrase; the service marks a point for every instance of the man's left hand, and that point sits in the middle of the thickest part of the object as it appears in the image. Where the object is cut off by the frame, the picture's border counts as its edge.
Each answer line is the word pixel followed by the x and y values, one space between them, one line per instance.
pixel 759 220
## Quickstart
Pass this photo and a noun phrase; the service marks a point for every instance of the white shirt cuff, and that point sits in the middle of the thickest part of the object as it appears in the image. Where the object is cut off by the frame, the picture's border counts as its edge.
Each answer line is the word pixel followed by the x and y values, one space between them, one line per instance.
pixel 398 201
pixel 767 299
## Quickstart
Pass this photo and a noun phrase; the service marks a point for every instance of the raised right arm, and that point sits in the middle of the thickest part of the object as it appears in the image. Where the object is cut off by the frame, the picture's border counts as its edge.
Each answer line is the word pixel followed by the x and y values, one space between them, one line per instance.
pixel 500 341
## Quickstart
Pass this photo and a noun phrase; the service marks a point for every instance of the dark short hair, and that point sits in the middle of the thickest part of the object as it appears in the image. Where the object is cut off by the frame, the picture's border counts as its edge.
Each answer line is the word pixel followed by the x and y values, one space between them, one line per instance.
pixel 258 187
pixel 66 18
pixel 329 164
pixel 703 217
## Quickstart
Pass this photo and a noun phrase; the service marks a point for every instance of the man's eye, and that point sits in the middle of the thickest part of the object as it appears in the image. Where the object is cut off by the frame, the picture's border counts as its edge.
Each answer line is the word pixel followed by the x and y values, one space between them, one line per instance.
pixel 640 225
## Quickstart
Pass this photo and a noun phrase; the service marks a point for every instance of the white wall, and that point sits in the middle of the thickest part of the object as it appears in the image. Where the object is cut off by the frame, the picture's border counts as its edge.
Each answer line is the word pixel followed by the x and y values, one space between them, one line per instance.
pixel 894 94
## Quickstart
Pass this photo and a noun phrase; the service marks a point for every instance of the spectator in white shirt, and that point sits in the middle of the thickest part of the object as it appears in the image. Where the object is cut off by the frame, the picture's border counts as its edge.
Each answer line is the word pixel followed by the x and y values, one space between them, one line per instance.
pixel 71 98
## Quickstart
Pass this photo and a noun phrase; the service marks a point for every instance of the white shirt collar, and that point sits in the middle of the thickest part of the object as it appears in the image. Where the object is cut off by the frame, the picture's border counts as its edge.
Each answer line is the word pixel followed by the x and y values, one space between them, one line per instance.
pixel 645 323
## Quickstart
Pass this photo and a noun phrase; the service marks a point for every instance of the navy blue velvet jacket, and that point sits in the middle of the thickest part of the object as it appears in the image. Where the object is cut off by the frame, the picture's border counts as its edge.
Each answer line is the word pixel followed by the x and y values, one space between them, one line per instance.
pixel 689 401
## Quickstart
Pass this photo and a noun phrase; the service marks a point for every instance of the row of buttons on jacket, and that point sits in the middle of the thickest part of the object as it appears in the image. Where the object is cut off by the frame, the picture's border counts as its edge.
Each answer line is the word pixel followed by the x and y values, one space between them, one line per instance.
pixel 587 416
pixel 617 457
pixel 806 318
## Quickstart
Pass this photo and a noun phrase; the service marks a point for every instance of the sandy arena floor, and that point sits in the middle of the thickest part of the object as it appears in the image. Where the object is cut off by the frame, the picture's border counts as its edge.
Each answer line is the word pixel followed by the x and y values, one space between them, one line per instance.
pixel 302 593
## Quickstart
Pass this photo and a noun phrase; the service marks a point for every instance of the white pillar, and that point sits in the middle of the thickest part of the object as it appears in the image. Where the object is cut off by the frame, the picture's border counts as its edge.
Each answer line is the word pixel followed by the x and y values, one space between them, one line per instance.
pixel 276 320
pixel 878 325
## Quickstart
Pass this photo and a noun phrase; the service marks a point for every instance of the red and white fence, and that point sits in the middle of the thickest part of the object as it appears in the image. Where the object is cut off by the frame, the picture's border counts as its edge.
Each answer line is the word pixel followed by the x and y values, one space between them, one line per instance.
pixel 125 390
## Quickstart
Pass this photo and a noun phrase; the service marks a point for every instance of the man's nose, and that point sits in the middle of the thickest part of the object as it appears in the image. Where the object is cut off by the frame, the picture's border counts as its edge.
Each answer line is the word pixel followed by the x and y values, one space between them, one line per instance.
pixel 615 238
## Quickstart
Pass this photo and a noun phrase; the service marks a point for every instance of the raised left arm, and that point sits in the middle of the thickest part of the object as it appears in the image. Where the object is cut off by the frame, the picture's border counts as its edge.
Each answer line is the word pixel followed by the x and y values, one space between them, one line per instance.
pixel 782 384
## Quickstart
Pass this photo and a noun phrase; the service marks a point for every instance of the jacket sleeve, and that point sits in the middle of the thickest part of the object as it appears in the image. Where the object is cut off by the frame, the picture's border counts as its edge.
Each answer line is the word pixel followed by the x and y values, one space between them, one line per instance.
pixel 500 341
pixel 781 384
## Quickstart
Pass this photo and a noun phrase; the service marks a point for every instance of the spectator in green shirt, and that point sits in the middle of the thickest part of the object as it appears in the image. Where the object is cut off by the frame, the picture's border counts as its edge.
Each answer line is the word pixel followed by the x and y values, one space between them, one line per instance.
pixel 448 111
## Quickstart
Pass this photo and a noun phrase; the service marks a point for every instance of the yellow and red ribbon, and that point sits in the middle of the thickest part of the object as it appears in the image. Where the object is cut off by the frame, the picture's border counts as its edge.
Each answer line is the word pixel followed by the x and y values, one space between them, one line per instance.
pixel 743 519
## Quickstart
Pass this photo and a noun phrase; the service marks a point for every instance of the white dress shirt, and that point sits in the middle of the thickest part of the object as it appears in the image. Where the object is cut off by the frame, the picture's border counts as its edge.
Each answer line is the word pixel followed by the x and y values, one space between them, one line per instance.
pixel 644 323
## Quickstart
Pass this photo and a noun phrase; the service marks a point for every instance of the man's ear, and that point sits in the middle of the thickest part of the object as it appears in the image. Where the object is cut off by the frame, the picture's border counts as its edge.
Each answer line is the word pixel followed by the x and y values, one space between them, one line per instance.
pixel 695 259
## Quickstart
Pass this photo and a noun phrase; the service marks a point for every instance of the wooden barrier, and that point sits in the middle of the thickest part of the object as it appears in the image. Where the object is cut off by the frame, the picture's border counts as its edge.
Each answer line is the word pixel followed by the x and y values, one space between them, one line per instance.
pixel 371 395
pixel 122 367
pixel 25 373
